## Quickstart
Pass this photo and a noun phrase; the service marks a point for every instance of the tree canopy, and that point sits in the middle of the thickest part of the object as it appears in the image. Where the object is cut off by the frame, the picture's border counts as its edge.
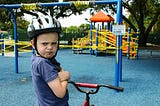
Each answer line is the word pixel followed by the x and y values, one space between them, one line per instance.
pixel 56 11
pixel 143 14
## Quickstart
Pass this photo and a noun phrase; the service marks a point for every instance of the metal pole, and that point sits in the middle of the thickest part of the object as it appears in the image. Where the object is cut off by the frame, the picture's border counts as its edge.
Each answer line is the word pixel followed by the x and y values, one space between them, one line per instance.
pixel 118 65
pixel 2 44
pixel 117 62
pixel 15 6
pixel 91 33
pixel 15 40
pixel 137 44
pixel 106 37
pixel 128 44
pixel 96 51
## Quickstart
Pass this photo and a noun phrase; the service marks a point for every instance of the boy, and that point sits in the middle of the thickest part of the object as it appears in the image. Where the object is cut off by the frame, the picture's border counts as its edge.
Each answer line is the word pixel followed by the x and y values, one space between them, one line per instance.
pixel 49 79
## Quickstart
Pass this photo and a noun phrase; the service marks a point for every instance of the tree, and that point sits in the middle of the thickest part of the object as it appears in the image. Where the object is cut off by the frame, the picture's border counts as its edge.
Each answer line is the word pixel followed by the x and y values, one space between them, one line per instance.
pixel 84 28
pixel 55 11
pixel 142 11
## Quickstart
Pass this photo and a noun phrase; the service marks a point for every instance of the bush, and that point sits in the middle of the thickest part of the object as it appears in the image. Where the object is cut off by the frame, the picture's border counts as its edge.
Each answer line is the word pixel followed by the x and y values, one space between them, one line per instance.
pixel 154 38
pixel 22 35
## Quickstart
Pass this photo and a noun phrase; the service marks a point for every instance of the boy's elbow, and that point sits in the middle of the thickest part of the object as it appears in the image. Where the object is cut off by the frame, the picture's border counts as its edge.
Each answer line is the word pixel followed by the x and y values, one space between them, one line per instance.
pixel 61 95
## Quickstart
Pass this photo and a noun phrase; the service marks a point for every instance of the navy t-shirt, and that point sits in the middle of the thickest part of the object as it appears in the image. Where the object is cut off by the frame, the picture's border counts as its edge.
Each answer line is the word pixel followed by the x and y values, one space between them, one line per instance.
pixel 43 71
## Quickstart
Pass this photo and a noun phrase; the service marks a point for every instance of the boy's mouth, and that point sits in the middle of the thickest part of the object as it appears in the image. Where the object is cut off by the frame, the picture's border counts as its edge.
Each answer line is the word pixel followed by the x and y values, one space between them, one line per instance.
pixel 49 53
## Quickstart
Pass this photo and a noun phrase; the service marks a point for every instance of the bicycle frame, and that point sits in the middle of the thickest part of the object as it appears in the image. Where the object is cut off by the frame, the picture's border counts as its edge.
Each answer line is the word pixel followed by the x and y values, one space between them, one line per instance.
pixel 95 86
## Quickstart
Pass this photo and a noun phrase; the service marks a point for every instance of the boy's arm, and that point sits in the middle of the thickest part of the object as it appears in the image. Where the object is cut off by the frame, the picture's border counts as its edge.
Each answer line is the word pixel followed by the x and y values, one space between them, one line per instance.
pixel 64 75
pixel 58 86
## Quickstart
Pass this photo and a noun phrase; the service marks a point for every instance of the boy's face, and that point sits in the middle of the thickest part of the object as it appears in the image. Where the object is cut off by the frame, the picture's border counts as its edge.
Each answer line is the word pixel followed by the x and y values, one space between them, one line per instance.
pixel 47 44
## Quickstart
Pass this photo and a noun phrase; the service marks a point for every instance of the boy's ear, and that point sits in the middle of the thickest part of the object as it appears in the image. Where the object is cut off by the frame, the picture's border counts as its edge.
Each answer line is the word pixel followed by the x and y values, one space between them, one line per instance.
pixel 32 43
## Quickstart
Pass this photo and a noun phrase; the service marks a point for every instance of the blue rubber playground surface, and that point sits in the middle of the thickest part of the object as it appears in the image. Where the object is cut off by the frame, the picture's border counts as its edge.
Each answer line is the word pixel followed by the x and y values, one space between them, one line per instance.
pixel 141 79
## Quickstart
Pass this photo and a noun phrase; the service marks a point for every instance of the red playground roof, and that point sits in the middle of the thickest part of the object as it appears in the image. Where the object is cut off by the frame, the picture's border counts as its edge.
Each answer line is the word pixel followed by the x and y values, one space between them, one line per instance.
pixel 101 17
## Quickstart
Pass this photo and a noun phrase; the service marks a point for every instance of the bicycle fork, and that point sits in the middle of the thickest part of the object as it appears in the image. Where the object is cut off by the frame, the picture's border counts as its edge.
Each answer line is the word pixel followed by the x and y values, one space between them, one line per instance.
pixel 87 101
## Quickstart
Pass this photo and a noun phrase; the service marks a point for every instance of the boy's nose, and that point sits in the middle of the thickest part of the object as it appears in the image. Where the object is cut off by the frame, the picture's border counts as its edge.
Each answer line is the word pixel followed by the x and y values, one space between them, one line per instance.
pixel 50 46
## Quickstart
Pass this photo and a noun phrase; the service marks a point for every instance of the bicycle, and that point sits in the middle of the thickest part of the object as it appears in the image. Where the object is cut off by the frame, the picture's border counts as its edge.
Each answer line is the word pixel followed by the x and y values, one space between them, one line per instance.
pixel 79 87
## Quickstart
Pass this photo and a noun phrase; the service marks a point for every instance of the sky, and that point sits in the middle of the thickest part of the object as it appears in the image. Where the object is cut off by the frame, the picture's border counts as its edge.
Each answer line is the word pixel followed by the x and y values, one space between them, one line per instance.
pixel 74 20
pixel 80 19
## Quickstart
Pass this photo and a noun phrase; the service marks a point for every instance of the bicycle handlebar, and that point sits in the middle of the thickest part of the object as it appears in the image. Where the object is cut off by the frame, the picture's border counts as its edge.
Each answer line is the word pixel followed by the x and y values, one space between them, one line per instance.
pixel 112 87
pixel 96 86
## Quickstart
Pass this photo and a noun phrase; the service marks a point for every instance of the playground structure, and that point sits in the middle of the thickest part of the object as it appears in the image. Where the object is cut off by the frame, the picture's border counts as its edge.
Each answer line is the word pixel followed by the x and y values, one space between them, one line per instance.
pixel 34 6
pixel 102 40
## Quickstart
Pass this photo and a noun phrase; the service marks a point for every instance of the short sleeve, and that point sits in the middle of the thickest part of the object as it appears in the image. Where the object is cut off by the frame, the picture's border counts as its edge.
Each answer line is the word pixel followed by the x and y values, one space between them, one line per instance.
pixel 47 70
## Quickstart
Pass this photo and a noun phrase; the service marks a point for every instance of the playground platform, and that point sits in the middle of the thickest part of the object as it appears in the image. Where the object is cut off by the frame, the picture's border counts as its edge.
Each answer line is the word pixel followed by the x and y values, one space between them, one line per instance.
pixel 140 79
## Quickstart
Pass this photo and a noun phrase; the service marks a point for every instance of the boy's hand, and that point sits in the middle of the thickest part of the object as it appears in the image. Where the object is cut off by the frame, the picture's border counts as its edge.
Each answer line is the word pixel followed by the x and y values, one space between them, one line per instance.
pixel 64 75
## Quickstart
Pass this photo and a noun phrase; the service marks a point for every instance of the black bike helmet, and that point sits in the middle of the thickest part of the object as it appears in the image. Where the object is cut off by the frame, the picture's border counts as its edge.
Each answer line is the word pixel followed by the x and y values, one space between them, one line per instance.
pixel 43 24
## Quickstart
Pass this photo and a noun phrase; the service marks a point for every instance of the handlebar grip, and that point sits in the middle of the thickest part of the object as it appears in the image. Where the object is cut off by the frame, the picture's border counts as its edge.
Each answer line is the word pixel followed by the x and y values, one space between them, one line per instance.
pixel 113 87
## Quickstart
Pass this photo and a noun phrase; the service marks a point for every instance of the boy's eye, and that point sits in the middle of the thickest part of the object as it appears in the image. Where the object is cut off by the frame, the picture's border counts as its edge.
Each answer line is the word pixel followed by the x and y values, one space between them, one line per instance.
pixel 44 43
pixel 54 43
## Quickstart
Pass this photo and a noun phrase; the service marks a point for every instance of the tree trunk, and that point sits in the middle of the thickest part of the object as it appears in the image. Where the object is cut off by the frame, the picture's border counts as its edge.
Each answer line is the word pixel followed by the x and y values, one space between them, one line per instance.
pixel 142 42
pixel 143 39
